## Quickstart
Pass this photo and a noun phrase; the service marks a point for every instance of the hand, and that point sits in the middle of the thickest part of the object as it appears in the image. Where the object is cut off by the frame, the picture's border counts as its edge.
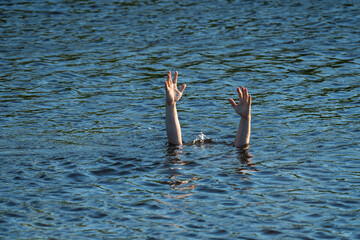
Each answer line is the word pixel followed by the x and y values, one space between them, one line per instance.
pixel 172 93
pixel 243 108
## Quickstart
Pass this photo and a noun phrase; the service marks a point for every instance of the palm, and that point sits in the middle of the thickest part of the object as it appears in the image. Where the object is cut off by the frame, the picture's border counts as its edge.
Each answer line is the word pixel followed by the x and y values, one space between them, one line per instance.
pixel 243 108
pixel 172 93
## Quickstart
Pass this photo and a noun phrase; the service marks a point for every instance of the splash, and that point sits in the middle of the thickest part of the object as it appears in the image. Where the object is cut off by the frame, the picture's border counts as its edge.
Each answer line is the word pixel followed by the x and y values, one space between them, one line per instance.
pixel 202 138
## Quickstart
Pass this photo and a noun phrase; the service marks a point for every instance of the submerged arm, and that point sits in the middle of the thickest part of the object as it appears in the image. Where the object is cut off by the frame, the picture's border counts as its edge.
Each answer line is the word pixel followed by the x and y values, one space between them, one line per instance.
pixel 173 95
pixel 243 108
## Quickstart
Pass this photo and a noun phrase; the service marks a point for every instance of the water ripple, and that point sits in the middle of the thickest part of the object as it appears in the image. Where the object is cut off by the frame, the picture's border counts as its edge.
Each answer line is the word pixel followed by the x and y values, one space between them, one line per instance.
pixel 82 141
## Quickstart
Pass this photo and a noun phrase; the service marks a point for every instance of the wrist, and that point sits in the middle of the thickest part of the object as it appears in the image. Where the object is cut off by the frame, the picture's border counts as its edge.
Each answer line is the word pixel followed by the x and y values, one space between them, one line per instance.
pixel 245 118
pixel 170 105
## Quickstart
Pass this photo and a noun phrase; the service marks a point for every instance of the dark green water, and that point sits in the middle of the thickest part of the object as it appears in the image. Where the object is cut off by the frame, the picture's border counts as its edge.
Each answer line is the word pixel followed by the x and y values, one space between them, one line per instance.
pixel 83 151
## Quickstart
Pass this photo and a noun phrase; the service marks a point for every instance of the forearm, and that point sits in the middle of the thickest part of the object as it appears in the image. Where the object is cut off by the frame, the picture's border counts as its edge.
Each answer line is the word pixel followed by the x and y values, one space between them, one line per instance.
pixel 243 133
pixel 173 129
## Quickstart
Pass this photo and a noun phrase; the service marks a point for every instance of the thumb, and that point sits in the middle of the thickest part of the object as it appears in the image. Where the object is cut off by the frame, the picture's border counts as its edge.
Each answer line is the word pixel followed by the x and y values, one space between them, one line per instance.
pixel 182 88
pixel 232 102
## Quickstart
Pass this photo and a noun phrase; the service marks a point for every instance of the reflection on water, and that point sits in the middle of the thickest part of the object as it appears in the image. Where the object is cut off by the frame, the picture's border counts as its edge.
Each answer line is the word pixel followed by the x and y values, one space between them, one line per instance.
pixel 245 157
pixel 244 154
pixel 174 171
pixel 83 151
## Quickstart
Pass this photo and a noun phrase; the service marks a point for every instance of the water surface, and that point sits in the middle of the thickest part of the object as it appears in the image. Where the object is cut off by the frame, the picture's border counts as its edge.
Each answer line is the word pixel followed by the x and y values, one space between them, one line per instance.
pixel 83 143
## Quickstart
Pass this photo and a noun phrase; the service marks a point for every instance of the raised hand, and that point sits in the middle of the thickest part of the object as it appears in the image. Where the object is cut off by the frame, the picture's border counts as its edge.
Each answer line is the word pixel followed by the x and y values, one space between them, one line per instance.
pixel 172 93
pixel 243 108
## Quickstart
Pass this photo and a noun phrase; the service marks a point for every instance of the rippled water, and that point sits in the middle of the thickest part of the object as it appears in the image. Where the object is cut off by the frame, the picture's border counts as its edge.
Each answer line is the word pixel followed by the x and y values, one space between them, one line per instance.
pixel 83 142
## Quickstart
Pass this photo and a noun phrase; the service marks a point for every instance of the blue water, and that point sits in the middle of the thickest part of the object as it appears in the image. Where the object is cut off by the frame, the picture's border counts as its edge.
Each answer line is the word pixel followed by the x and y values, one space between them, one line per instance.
pixel 83 152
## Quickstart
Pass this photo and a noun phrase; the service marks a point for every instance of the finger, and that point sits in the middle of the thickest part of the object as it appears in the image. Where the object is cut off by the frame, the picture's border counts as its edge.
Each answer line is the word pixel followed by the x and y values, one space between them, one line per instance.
pixel 182 88
pixel 166 86
pixel 239 92
pixel 249 100
pixel 245 92
pixel 169 78
pixel 232 102
pixel 175 77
